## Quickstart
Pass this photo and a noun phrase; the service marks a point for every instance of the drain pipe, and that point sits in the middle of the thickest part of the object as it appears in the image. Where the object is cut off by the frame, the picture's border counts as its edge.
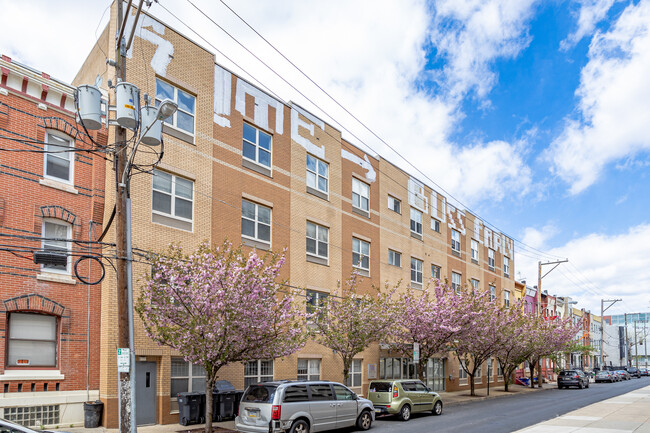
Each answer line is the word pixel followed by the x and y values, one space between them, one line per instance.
pixel 90 232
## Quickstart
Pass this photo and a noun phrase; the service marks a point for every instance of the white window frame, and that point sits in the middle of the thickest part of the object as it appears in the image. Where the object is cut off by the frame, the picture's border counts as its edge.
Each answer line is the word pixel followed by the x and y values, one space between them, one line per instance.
pixel 435 225
pixel 416 271
pixel 29 318
pixel 456 281
pixel 257 222
pixel 416 221
pixel 54 246
pixel 68 156
pixel 462 374
pixel 362 191
pixel 394 204
pixel 258 377
pixel 493 292
pixel 475 283
pixel 455 241
pixel 506 298
pixel 506 266
pixel 316 175
pixel 189 378
pixel 358 249
pixel 257 146
pixel 174 196
pixel 173 122
pixel 317 241
pixel 393 257
pixel 491 259
pixel 435 271
pixel 355 375
pixel 475 255
pixel 311 368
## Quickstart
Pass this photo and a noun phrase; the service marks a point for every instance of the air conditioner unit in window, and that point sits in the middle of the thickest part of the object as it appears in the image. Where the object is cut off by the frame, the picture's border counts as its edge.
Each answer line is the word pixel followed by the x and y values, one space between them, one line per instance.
pixel 50 258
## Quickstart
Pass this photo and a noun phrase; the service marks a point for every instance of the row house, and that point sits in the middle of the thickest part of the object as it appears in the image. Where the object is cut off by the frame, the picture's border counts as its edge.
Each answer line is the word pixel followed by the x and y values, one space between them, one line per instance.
pixel 242 165
pixel 51 212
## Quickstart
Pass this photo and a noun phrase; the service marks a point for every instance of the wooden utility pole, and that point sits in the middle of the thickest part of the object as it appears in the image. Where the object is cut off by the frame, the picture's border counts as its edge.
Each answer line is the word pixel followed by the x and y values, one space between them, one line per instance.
pixel 124 388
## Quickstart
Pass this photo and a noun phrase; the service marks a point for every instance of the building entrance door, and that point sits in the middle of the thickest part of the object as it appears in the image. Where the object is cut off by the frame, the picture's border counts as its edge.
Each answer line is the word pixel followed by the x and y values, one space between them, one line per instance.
pixel 145 392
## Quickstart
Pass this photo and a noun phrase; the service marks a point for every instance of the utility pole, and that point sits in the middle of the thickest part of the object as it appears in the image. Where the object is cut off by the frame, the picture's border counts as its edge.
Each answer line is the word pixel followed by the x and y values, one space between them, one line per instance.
pixel 645 342
pixel 539 305
pixel 636 348
pixel 627 343
pixel 602 325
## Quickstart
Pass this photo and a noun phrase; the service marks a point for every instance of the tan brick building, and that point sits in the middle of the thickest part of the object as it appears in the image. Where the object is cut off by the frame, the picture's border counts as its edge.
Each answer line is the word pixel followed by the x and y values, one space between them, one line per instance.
pixel 242 165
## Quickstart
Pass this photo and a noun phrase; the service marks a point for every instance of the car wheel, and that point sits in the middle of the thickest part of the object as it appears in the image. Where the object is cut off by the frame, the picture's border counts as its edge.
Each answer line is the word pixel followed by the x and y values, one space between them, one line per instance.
pixel 587 385
pixel 299 426
pixel 437 408
pixel 560 386
pixel 364 421
pixel 405 413
pixel 581 385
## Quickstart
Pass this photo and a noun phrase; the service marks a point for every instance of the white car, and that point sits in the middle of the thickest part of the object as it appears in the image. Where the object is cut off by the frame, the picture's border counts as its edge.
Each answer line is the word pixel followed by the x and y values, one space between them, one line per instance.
pixel 10 427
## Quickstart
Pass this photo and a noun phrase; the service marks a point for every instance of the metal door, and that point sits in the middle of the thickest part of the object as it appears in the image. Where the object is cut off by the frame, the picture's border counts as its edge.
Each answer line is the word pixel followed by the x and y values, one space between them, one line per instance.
pixel 145 393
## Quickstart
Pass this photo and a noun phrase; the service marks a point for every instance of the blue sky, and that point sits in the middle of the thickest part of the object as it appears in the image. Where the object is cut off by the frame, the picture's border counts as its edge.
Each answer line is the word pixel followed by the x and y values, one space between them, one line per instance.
pixel 534 114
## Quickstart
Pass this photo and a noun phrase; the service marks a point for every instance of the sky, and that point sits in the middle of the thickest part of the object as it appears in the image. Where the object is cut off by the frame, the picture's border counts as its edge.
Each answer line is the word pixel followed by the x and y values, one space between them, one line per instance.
pixel 534 115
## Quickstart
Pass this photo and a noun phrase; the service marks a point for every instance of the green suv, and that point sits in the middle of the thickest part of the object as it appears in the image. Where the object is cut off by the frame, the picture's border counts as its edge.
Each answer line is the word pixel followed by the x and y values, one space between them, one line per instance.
pixel 402 397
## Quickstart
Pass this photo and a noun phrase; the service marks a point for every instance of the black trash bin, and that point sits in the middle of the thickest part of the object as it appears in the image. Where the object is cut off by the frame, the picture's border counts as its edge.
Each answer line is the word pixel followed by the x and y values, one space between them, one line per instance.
pixel 191 408
pixel 223 400
pixel 93 414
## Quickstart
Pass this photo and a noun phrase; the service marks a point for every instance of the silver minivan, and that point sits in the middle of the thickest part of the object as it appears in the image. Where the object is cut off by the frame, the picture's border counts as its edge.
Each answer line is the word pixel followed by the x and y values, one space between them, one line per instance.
pixel 302 407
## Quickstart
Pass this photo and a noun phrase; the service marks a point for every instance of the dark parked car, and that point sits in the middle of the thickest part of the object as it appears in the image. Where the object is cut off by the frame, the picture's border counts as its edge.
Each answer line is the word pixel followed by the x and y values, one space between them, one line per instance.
pixel 576 378
pixel 644 371
pixel 606 376
pixel 634 372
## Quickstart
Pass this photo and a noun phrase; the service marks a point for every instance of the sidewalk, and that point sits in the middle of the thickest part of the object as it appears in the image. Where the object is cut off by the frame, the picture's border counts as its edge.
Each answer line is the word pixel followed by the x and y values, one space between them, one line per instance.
pixel 449 399
pixel 625 413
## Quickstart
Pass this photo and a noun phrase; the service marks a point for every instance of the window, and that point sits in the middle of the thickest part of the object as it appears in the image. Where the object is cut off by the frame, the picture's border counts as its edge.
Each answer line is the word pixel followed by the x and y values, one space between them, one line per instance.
pixel 499 370
pixel 185 377
pixel 435 271
pixel 506 266
pixel 490 371
pixel 172 197
pixel 493 293
pixel 360 195
pixel 462 374
pixel 474 251
pixel 506 299
pixel 342 393
pixel 258 371
pixel 59 158
pixel 308 369
pixel 317 238
pixel 455 242
pixel 256 145
pixel 394 204
pixel 416 271
pixel 321 392
pixel 491 259
pixel 475 283
pixel 435 225
pixel 296 393
pixel 354 375
pixel 317 174
pixel 183 119
pixel 455 282
pixel 316 301
pixel 416 222
pixel 54 233
pixel 360 254
pixel 32 340
pixel 256 221
pixel 394 258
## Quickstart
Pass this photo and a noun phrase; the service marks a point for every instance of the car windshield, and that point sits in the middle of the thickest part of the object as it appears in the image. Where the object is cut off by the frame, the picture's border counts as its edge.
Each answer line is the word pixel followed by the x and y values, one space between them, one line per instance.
pixel 380 387
pixel 567 373
pixel 259 393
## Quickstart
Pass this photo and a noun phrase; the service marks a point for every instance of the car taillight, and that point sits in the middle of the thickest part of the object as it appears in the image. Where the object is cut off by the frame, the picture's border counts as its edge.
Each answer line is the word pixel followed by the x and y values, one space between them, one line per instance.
pixel 276 411
pixel 575 377
pixel 395 392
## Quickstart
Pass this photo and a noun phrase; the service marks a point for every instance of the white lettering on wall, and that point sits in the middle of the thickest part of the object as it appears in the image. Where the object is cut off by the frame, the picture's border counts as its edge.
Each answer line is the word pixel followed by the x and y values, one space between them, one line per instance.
pixel 262 104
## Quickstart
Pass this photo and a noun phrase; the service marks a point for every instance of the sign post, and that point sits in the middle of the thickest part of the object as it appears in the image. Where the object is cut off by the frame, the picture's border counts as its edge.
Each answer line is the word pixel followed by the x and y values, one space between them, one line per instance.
pixel 123 361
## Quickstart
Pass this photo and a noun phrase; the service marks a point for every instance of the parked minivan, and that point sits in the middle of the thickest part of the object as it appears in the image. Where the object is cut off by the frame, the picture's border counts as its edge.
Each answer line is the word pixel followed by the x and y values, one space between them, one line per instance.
pixel 302 407
pixel 402 397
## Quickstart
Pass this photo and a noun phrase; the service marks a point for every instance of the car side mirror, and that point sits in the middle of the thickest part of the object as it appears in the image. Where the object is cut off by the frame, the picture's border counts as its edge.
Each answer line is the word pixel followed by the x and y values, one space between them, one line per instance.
pixel 355 396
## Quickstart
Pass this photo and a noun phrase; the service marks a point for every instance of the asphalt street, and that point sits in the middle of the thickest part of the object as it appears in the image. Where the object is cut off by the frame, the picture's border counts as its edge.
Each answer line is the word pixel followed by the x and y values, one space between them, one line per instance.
pixel 508 414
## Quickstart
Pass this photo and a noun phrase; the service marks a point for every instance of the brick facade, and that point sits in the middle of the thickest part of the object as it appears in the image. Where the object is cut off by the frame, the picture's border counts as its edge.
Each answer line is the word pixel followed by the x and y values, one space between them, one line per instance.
pixel 35 108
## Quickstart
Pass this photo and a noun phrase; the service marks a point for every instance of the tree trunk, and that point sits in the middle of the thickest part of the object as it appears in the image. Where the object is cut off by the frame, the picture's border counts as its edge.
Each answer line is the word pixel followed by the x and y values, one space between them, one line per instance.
pixel 421 370
pixel 471 384
pixel 531 367
pixel 209 385
pixel 488 384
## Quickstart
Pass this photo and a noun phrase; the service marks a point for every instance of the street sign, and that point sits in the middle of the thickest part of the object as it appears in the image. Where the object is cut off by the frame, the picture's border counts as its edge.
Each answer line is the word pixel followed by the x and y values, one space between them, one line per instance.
pixel 416 352
pixel 123 361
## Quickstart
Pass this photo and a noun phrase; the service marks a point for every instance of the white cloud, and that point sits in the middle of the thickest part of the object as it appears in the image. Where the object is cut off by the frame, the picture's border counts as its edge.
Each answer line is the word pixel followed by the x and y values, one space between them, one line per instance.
pixel 613 103
pixel 591 13
pixel 599 267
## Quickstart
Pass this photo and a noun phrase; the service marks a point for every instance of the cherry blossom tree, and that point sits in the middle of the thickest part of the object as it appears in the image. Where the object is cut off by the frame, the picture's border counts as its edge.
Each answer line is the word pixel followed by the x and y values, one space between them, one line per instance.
pixel 513 349
pixel 218 305
pixel 349 322
pixel 427 318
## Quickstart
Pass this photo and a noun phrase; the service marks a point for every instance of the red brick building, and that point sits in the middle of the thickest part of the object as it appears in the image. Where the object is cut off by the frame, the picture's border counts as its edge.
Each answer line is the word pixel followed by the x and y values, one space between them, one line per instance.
pixel 51 190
